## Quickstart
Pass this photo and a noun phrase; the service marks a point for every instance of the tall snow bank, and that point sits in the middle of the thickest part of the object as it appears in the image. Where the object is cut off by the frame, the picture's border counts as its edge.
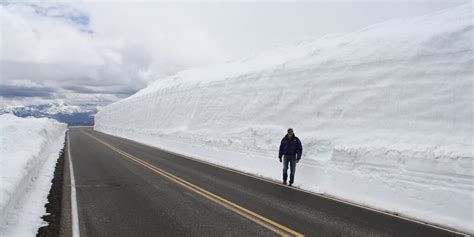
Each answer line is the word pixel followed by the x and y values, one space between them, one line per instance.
pixel 385 115
pixel 29 149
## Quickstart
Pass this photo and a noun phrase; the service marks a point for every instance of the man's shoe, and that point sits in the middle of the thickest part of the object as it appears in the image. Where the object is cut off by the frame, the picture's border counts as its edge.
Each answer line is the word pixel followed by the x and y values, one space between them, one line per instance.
pixel 290 184
pixel 284 182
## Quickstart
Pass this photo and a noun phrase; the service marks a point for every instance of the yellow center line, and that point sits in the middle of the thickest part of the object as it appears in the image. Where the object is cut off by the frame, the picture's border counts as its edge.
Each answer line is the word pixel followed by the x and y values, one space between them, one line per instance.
pixel 263 221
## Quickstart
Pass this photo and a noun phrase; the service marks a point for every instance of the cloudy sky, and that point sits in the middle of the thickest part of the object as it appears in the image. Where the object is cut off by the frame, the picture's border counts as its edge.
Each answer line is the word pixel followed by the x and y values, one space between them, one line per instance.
pixel 101 51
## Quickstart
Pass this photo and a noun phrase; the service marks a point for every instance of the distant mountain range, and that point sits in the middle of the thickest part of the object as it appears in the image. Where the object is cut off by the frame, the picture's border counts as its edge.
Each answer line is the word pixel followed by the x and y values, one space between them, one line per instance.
pixel 82 114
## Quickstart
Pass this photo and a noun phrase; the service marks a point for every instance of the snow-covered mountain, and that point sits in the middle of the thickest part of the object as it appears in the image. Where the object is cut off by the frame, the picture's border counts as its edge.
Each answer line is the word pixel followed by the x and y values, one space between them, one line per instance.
pixel 82 114
pixel 385 115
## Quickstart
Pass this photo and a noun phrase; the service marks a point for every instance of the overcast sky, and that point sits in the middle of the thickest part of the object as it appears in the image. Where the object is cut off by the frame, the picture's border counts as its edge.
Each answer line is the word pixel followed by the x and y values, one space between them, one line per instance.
pixel 99 52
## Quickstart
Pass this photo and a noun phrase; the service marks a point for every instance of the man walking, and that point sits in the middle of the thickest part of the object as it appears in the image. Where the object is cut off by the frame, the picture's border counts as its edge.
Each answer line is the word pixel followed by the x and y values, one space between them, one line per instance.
pixel 290 150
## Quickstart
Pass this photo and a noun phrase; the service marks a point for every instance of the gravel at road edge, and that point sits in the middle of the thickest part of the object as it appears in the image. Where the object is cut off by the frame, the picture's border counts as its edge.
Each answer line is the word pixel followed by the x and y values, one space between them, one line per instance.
pixel 53 207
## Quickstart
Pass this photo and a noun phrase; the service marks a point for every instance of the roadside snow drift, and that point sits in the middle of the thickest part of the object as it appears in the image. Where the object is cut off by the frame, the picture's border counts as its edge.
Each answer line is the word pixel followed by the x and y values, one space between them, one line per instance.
pixel 29 149
pixel 385 115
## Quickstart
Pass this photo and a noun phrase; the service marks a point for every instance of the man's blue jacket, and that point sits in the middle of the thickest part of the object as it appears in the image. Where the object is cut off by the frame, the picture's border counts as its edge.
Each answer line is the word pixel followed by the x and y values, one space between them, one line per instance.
pixel 290 147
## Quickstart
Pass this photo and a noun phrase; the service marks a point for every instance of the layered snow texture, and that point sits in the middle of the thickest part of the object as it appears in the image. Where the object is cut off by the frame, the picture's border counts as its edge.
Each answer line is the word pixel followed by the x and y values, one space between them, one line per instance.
pixel 385 115
pixel 29 149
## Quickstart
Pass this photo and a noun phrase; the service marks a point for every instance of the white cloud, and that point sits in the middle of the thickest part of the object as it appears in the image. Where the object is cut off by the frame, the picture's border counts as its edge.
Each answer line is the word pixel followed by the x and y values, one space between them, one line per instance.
pixel 52 49
pixel 29 37
pixel 123 48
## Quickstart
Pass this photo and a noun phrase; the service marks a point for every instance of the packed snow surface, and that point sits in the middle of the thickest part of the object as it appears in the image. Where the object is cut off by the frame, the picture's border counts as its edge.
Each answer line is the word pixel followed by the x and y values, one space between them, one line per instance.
pixel 385 115
pixel 29 149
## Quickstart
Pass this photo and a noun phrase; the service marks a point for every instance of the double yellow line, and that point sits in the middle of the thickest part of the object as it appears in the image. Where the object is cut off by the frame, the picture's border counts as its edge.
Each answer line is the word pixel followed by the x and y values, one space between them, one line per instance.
pixel 265 222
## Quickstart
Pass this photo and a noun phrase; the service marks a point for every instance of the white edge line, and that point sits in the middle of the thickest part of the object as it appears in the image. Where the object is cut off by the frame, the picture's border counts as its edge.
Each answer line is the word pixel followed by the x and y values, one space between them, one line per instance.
pixel 74 214
pixel 298 189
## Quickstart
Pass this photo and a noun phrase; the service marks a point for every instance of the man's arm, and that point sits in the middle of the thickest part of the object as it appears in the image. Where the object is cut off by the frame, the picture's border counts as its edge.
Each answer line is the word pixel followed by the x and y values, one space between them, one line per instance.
pixel 280 153
pixel 299 150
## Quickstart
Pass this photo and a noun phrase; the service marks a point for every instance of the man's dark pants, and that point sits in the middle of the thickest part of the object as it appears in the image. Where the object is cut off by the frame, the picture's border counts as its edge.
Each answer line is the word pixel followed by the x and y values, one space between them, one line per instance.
pixel 289 159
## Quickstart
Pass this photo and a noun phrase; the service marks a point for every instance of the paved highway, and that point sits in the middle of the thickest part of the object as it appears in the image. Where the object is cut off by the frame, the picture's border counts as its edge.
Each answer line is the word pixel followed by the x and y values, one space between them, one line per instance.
pixel 124 188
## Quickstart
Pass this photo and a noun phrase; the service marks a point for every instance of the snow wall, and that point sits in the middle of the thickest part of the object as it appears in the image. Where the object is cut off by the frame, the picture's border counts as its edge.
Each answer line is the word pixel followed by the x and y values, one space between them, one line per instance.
pixel 385 115
pixel 29 149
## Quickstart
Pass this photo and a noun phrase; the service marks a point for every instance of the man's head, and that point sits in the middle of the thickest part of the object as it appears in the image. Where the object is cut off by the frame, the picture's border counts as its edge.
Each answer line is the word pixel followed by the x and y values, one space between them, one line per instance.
pixel 290 132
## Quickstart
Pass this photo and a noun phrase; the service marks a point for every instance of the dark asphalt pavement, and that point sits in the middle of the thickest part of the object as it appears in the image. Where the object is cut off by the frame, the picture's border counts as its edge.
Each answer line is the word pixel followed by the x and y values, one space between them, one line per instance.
pixel 118 195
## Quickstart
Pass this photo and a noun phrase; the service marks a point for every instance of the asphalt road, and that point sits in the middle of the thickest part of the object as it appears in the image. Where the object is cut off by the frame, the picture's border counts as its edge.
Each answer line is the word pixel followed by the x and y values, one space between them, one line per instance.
pixel 124 188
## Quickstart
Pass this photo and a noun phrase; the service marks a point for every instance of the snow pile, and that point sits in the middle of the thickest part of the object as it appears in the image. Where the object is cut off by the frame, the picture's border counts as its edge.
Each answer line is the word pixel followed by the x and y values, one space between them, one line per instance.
pixel 385 115
pixel 29 149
